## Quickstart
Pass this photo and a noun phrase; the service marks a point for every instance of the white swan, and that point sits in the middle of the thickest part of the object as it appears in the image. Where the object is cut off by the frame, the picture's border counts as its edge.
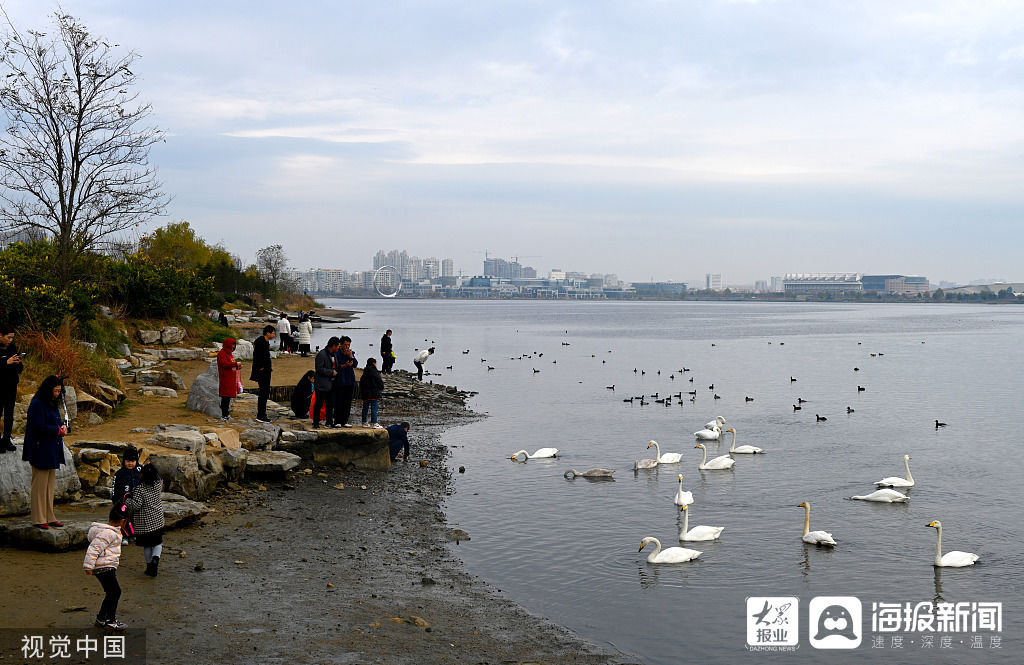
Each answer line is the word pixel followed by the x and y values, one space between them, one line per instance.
pixel 682 498
pixel 541 453
pixel 698 532
pixel 667 458
pixel 751 450
pixel 896 481
pixel 671 555
pixel 883 496
pixel 954 559
pixel 709 433
pixel 718 422
pixel 644 464
pixel 589 473
pixel 814 537
pixel 719 463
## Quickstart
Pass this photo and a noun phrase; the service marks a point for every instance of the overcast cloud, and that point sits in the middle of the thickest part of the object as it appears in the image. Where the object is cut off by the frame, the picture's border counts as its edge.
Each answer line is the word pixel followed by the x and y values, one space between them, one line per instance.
pixel 649 139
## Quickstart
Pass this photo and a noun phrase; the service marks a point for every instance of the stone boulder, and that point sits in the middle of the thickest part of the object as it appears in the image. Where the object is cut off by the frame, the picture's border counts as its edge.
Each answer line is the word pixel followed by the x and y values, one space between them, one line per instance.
pixel 362 448
pixel 172 334
pixel 16 482
pixel 169 379
pixel 258 439
pixel 181 511
pixel 190 440
pixel 124 349
pixel 178 353
pixel 233 463
pixel 88 403
pixel 228 437
pixel 204 394
pixel 157 391
pixel 181 474
pixel 148 336
pixel 106 392
pixel 243 349
pixel 270 463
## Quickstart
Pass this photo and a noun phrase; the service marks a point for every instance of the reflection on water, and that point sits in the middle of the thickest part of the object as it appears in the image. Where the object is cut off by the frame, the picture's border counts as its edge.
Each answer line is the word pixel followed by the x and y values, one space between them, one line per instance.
pixel 568 550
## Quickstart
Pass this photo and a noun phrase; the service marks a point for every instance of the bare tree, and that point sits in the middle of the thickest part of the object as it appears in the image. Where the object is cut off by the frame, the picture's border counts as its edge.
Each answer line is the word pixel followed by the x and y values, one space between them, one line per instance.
pixel 74 163
pixel 272 264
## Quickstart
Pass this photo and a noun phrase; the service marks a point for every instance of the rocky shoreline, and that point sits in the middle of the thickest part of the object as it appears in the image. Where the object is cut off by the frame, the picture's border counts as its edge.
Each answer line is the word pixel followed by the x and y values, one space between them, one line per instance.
pixel 334 564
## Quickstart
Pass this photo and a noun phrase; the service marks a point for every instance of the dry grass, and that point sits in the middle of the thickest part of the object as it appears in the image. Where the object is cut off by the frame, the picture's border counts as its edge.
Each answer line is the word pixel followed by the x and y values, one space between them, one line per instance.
pixel 58 353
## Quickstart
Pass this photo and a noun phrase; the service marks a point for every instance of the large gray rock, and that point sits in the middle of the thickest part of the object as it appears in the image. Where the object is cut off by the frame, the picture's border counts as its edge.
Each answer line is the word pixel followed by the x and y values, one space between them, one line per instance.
pixel 169 379
pixel 179 354
pixel 158 391
pixel 204 394
pixel 70 402
pixel 233 462
pixel 243 349
pixel 124 349
pixel 191 441
pixel 256 439
pixel 172 334
pixel 16 482
pixel 180 511
pixel 361 448
pixel 270 462
pixel 181 474
pixel 148 336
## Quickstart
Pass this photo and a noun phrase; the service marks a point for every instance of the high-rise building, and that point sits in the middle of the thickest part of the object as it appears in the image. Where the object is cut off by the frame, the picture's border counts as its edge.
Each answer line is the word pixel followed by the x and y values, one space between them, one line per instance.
pixel 447 268
pixel 713 282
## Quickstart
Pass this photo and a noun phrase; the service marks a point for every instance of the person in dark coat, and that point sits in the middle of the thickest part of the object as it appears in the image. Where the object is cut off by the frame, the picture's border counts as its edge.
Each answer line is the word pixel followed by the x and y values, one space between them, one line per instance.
pixel 44 449
pixel 387 355
pixel 302 394
pixel 10 374
pixel 399 438
pixel 371 388
pixel 345 383
pixel 326 367
pixel 261 370
pixel 148 517
pixel 227 374
pixel 125 480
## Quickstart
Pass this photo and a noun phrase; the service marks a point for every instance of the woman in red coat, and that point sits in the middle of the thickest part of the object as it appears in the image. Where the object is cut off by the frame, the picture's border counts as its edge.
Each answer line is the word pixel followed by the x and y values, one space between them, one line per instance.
pixel 227 371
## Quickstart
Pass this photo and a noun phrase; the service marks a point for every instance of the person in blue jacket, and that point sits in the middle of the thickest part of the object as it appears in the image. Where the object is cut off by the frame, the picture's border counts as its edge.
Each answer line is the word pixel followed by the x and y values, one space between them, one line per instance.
pixel 44 449
pixel 345 382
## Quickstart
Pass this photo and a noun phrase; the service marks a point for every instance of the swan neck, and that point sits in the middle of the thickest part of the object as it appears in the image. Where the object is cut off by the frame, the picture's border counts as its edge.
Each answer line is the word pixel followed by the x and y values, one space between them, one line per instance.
pixel 705 451
pixel 657 449
pixel 807 519
pixel 686 522
pixel 732 448
pixel 906 464
pixel 938 545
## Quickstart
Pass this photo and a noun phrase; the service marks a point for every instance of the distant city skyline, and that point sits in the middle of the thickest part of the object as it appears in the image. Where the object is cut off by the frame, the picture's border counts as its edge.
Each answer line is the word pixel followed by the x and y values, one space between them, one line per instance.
pixel 658 141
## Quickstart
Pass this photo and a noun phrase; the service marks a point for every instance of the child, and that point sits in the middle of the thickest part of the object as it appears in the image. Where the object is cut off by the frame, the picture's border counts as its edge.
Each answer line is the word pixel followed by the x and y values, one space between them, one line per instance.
pixel 371 386
pixel 101 561
pixel 125 481
pixel 302 395
pixel 148 513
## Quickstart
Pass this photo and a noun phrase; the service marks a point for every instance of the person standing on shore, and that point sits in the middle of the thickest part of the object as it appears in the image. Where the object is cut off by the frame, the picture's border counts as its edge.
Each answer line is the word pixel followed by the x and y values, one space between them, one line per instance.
pixel 101 561
pixel 261 370
pixel 345 383
pixel 387 354
pixel 148 516
pixel 421 358
pixel 326 367
pixel 399 439
pixel 371 388
pixel 10 374
pixel 284 331
pixel 44 449
pixel 227 374
pixel 303 334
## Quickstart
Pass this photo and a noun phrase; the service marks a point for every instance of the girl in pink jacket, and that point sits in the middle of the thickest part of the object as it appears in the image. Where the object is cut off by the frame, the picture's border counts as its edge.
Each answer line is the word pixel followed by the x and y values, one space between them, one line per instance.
pixel 101 561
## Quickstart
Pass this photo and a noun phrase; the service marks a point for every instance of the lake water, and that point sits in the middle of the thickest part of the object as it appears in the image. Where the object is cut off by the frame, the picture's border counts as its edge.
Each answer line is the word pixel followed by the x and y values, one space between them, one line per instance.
pixel 568 549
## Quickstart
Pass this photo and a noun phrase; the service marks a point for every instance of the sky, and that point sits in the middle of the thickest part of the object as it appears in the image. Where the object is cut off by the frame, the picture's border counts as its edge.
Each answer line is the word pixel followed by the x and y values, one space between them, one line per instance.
pixel 646 138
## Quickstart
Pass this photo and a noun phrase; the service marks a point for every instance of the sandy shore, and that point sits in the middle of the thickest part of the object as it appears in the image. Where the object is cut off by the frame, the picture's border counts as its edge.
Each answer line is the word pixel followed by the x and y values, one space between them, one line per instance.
pixel 332 566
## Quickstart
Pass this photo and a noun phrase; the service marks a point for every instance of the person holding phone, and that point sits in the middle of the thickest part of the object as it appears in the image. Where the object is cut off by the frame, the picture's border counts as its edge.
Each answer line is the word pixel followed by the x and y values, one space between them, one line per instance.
pixel 10 374
pixel 44 449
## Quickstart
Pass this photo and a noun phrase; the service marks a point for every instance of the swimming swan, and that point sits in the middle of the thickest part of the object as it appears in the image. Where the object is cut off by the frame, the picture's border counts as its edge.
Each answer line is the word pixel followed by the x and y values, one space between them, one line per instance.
pixel 667 458
pixel 954 559
pixel 671 555
pixel 896 481
pixel 709 433
pixel 814 537
pixel 589 473
pixel 541 453
pixel 720 463
pixel 644 464
pixel 682 498
pixel 718 422
pixel 698 532
pixel 752 450
pixel 883 496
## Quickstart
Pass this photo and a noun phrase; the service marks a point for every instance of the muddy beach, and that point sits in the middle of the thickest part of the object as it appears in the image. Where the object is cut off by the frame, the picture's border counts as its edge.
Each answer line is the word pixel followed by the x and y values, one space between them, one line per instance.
pixel 324 566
